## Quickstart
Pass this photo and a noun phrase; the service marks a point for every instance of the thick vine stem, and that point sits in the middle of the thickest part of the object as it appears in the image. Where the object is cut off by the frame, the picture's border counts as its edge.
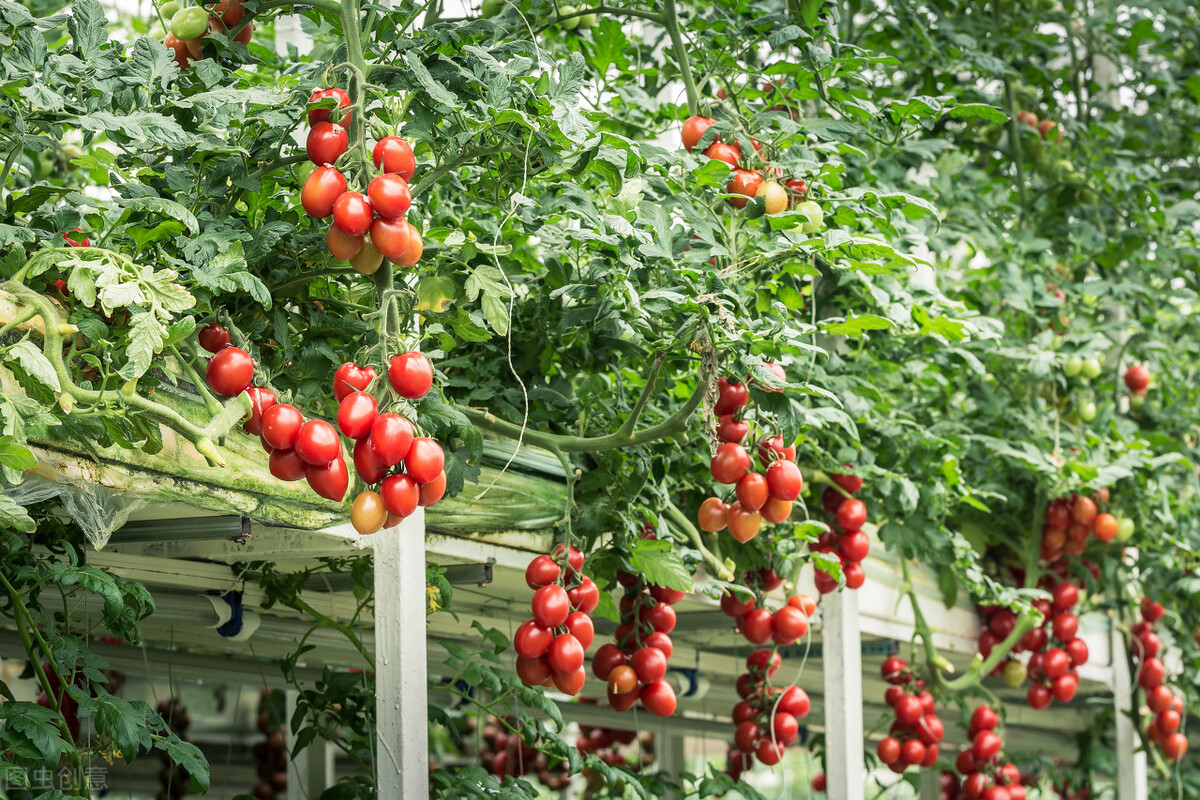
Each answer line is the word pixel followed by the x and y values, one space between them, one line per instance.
pixel 328 5
pixel 714 564
pixel 52 343
pixel 437 173
pixel 670 19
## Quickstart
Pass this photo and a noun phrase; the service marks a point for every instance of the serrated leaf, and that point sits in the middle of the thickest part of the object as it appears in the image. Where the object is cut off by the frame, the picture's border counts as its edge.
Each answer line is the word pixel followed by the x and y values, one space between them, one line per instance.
pixel 487 282
pixel 660 565
pixel 35 364
pixel 146 338
pixel 14 516
pixel 163 206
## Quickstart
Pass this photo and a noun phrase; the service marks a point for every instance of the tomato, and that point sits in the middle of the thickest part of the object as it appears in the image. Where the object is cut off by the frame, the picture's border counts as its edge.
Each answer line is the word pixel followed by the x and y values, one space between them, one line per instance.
pixel 1175 746
pixel 659 699
pixel 433 491
pixel 733 606
pixel 693 131
pixel 260 401
pixel 424 461
pixel 390 236
pixel 986 746
pixel 752 491
pixel 788 625
pixel 769 752
pixel 772 449
pixel 1064 686
pixel 350 377
pixel 400 494
pixel 731 154
pixel 550 604
pixel 785 728
pixel 795 701
pixel 1152 611
pixel 731 396
pixel 570 683
pixel 542 571
pixel 984 719
pixel 1137 378
pixel 213 337
pixel 649 663
pixel 533 671
pixel 389 195
pixel 230 12
pixel 731 430
pixel 746 736
pixel 316 115
pixel 1083 510
pixel 280 425
pixel 188 23
pixel 743 524
pixel 326 143
pixel 416 246
pixel 744 183
pixel 367 515
pixel 342 245
pixel 230 372
pixel 356 414
pixel 394 154
pixel 888 750
pixel 286 465
pixel 1065 626
pixel 566 654
pixel 579 625
pixel 1065 595
pixel 411 374
pixel 330 480
pixel 243 36
pixel 1150 643
pixel 775 510
pixel 713 515
pixel 391 439
pixel 622 679
pixel 366 465
pixel 775 197
pixel 368 260
pixel 730 463
pixel 323 187
pixel 352 213
pixel 317 442
pixel 585 597
pixel 784 480
pixel 180 53
pixel 1151 674
pixel 796 189
pixel 660 640
pixel 531 640
pixel 908 710
pixel 606 659
pixel 756 626
pixel 854 546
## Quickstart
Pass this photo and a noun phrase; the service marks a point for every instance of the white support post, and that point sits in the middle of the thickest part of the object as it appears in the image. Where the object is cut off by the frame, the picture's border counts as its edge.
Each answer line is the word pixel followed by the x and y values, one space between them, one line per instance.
pixel 931 784
pixel 1132 780
pixel 310 772
pixel 401 686
pixel 845 773
pixel 669 750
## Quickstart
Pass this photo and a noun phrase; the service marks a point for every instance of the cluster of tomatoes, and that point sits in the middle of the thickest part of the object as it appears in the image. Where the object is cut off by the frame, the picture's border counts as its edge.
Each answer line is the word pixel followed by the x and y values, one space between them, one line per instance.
pixel 270 755
pixel 550 646
pixel 191 24
pixel 1046 128
pixel 173 777
pixel 605 743
pixel 635 666
pixel 913 738
pixel 745 184
pixel 366 227
pixel 1071 521
pixel 846 540
pixel 506 754
pixel 767 717
pixel 765 494
pixel 983 777
pixel 1166 707
pixel 758 623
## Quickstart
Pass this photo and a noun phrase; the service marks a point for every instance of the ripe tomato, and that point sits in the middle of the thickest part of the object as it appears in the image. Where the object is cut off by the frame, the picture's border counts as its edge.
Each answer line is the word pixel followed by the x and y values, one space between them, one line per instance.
pixel 743 524
pixel 368 260
pixel 411 374
pixel 286 465
pixel 390 236
pixel 693 130
pixel 585 597
pixel 1058 515
pixel 366 464
pixel 659 699
pixel 324 186
pixel 330 480
pixel 542 571
pixel 1083 510
pixel 784 480
pixel 416 246
pixel 851 515
pixel 326 143
pixel 394 154
pixel 1064 686
pixel 854 546
pixel 1065 626
pixel 734 605
pixel 1105 527
pixel 230 372
pixel 342 99
pixel 356 414
pixel 569 683
pixel 788 625
pixel 341 244
pixel 745 738
pixel 389 195
pixel 531 640
pixel 731 430
pixel 768 752
pixel 243 35
pixel 930 729
pixel 353 213
pixel 317 443
pixel 730 463
pixel 391 439
pixel 367 515
pixel 260 401
pixel 1175 746
pixel 984 719
pixel 350 377
pixel 893 670
pixel 1151 674
pixel 986 746
pixel 179 52
pixel 752 491
pixel 606 659
pixel 756 626
pixel 731 395
pixel 908 710
pixel 579 625
pixel 785 728
pixel 1152 611
pixel 213 337
pixel 888 750
pixel 400 495
pixel 775 197
pixel 566 654
pixel 649 663
pixel 772 449
pixel 1150 643
pixel 425 460
pixel 796 189
pixel 731 154
pixel 743 183
pixel 1066 595
pixel 622 679
pixel 775 510
pixel 533 671
pixel 280 425
pixel 1137 378
pixel 433 491
pixel 230 12
pixel 550 604
pixel 1055 662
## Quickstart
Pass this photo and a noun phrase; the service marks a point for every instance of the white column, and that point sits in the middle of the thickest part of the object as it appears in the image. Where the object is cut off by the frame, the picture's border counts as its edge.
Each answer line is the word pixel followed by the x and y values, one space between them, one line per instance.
pixel 310 772
pixel 669 750
pixel 401 710
pixel 931 784
pixel 1132 781
pixel 842 662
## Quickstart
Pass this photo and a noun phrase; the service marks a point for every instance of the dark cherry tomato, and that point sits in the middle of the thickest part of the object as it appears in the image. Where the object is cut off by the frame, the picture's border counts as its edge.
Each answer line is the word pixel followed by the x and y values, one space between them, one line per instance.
pixel 393 154
pixel 389 195
pixel 230 372
pixel 390 236
pixel 326 143
pixel 329 481
pixel 280 425
pixel 356 414
pixel 286 465
pixel 352 213
pixel 260 401
pixel 322 188
pixel 410 374
pixel 213 337
pixel 316 115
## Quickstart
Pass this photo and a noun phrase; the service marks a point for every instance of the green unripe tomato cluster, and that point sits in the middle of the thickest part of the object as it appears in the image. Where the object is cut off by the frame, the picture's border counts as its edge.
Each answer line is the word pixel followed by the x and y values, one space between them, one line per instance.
pixel 189 23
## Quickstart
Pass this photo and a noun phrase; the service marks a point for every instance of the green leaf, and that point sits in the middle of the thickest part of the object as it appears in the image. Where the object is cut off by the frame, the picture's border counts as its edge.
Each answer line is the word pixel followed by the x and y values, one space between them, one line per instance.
pixel 35 364
pixel 160 205
pixel 490 283
pixel 146 338
pixel 856 325
pixel 660 564
pixel 15 516
pixel 969 110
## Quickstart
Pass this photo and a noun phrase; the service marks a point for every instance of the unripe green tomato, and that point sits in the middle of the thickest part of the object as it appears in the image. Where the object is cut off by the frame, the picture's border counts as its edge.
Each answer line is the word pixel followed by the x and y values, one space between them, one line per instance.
pixel 568 24
pixel 491 8
pixel 188 23
pixel 815 216
pixel 168 9
pixel 1090 368
pixel 1124 529
pixel 303 170
pixel 1056 342
pixel 1014 673
pixel 1072 367
pixel 1137 402
pixel 1087 411
pixel 587 21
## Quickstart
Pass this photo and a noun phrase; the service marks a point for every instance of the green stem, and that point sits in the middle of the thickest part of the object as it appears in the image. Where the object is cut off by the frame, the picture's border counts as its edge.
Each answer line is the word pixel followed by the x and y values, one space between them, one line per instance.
pixel 610 11
pixel 628 426
pixel 436 173
pixel 211 404
pixel 328 5
pixel 329 622
pixel 670 20
pixel 285 161
pixel 714 564
pixel 20 319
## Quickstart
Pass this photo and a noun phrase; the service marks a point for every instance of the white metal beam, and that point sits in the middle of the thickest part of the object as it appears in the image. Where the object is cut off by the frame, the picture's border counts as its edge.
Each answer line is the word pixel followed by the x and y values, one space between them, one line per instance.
pixel 1132 781
pixel 844 770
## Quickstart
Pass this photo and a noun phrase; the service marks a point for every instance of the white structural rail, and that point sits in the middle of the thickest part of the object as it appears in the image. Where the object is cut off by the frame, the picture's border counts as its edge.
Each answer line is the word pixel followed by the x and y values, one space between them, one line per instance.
pixel 845 774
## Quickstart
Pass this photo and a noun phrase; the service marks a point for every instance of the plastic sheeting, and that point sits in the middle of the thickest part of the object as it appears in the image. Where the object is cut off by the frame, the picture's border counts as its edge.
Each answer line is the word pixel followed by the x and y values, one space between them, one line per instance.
pixel 97 509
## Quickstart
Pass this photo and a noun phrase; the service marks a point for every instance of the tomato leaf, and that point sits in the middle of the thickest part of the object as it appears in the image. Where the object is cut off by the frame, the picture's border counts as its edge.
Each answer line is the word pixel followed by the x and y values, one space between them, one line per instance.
pixel 35 364
pixel 659 564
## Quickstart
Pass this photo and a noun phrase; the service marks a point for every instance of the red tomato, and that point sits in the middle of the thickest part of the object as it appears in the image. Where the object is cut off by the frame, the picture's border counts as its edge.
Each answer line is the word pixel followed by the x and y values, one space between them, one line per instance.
pixel 230 12
pixel 908 710
pixel 660 640
pixel 1063 687
pixel 1065 595
pixel 713 515
pixel 1152 611
pixel 243 36
pixel 353 213
pixel 743 524
pixel 731 154
pixel 1151 674
pixel 776 510
pixel 230 372
pixel 391 439
pixel 888 750
pixel 579 625
pixel 607 658
pixel 394 154
pixel 797 188
pixel 795 701
pixel 280 425
pixel 286 465
pixel 734 606
pixel 784 480
pixel 1137 378
pixel 316 115
pixel 425 461
pixel 356 414
pixel 693 130
pixel 412 254
pixel 531 640
pixel 1105 527
pixel 326 143
pixel 542 571
pixel 745 738
pixel 1175 746
pixel 809 606
pixel 570 683
pixel 785 728
pixel 854 546
pixel 350 377
pixel 390 236
pixel 366 464
pixel 433 491
pixel 851 515
pixel 317 443
pixel 550 604
pixel 649 663
pixel 533 671
pixel 566 653
pixel 744 183
pixel 260 401
pixel 731 430
pixel 1058 515
pixel 341 244
pixel 984 719
pixel 180 50
pixel 772 449
pixel 788 625
pixel 769 752
pixel 731 395
pixel 213 337
pixel 756 626
pixel 659 699
pixel 411 374
pixel 400 495
pixel 329 481
pixel 730 463
pixel 752 491
pixel 1083 510
pixel 585 597
pixel 986 746
pixel 389 195
pixel 324 186
pixel 1065 626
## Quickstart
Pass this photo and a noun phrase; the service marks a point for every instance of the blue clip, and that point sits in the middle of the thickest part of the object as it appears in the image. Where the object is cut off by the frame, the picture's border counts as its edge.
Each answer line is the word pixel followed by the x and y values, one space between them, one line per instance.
pixel 692 676
pixel 234 626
